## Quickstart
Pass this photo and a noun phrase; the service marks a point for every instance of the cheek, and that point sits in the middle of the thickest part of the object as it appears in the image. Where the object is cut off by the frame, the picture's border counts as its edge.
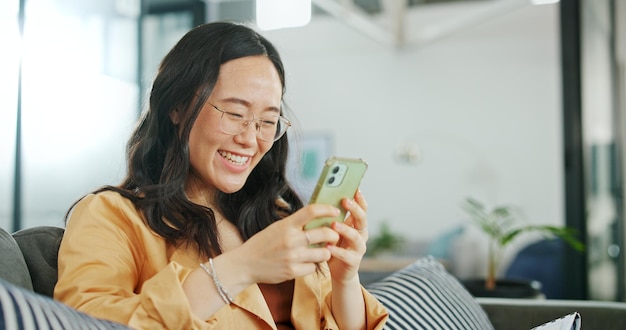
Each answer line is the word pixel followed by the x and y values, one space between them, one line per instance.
pixel 195 140
pixel 201 143
pixel 204 132
pixel 264 148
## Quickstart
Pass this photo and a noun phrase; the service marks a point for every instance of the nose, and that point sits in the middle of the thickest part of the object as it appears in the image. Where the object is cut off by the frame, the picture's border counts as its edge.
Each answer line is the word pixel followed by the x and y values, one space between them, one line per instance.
pixel 249 135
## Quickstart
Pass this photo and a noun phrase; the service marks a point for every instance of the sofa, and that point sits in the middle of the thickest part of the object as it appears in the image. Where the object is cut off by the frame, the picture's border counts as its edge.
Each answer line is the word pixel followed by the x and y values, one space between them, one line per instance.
pixel 420 292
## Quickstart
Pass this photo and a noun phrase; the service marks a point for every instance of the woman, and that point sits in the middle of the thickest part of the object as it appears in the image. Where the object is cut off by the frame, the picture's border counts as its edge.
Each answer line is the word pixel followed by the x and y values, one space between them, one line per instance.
pixel 204 231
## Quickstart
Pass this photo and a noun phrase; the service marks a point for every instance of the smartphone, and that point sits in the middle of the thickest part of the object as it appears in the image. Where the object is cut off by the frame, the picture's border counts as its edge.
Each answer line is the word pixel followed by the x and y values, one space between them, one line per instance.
pixel 340 178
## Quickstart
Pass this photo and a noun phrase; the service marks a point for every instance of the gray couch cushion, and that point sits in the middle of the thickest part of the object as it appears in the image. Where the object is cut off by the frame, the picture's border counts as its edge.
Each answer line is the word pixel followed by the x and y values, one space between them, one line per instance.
pixel 40 247
pixel 424 295
pixel 12 265
pixel 524 314
pixel 22 309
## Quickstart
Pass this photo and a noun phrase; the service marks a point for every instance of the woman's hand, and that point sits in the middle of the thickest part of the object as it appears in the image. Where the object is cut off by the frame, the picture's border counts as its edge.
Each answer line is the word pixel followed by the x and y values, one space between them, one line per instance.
pixel 278 253
pixel 283 250
pixel 349 251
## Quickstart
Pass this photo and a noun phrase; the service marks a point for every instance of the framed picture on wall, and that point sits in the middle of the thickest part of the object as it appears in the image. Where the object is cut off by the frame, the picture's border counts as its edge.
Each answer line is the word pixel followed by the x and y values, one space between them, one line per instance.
pixel 307 157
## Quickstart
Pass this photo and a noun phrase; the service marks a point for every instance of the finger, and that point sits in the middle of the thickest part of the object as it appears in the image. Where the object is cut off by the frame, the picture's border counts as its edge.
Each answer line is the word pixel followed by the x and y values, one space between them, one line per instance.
pixel 346 256
pixel 314 211
pixel 358 197
pixel 358 215
pixel 351 238
pixel 321 236
pixel 313 255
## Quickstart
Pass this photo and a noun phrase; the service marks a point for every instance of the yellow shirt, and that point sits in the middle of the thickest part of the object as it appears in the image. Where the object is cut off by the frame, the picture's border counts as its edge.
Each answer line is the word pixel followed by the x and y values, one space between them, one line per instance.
pixel 112 266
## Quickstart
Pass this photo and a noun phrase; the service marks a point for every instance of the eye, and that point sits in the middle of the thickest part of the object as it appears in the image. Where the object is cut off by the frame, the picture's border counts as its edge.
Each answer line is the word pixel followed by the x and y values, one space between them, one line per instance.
pixel 269 121
pixel 235 114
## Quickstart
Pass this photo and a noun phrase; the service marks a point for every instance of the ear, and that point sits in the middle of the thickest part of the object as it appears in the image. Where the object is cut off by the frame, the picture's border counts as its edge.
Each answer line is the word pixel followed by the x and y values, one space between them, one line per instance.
pixel 175 116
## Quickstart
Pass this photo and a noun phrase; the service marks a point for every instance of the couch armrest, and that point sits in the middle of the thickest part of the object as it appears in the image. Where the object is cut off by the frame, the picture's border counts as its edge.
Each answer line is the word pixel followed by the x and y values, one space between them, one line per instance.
pixel 524 314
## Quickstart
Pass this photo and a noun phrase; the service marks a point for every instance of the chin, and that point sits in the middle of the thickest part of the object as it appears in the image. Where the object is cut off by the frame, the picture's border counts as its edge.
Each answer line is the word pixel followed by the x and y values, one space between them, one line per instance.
pixel 231 189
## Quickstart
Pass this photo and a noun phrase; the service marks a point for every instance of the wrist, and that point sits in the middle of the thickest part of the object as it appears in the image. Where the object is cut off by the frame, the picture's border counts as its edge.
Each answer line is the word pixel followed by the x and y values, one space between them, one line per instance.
pixel 354 280
pixel 231 272
pixel 212 272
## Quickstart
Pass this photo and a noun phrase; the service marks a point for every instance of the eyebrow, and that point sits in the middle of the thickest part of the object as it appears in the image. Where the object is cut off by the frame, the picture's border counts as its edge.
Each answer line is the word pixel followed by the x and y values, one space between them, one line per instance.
pixel 247 104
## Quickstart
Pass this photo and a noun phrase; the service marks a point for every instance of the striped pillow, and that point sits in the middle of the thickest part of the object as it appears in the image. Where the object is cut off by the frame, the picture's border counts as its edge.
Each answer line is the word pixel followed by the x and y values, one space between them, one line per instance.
pixel 23 309
pixel 425 296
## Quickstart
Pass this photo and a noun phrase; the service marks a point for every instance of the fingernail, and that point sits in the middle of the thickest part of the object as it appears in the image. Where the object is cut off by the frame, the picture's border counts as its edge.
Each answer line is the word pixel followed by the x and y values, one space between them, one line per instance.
pixel 337 225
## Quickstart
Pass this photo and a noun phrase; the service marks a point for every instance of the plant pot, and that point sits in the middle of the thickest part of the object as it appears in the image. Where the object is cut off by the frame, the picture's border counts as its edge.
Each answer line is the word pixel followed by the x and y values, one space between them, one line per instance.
pixel 505 288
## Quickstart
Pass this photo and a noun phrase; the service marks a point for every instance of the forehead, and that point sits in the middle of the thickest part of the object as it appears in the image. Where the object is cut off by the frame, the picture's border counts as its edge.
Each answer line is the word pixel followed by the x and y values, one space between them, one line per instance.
pixel 249 72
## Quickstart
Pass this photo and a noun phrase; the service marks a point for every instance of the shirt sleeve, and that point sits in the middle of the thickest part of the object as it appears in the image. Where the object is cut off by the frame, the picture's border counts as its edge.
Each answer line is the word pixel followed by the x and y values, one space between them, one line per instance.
pixel 376 314
pixel 103 268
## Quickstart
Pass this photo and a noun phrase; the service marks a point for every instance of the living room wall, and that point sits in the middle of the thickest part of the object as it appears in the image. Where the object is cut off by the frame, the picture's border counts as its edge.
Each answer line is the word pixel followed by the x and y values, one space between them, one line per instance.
pixel 481 109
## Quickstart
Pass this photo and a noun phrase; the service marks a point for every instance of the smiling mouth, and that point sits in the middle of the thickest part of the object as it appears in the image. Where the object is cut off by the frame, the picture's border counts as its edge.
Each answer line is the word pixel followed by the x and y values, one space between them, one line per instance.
pixel 234 159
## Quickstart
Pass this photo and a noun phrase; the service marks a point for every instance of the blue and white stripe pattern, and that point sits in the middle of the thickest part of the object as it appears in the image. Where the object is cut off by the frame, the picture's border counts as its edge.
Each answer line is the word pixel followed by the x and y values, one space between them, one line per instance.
pixel 424 296
pixel 23 309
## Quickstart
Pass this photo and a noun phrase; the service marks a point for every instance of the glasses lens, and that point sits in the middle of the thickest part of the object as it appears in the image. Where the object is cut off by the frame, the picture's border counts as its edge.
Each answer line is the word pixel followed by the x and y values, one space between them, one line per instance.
pixel 268 128
pixel 283 125
pixel 233 122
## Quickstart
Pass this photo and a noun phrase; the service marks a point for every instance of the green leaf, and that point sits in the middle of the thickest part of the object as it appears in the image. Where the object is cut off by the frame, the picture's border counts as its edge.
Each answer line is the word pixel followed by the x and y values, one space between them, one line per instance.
pixel 508 237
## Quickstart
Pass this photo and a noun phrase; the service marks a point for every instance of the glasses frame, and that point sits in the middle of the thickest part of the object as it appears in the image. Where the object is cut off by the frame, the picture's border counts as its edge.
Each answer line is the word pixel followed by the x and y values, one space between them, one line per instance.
pixel 283 122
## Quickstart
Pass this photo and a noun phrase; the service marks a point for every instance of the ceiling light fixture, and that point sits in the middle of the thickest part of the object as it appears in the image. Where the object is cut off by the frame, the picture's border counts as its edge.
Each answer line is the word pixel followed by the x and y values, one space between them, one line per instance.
pixel 543 2
pixel 276 14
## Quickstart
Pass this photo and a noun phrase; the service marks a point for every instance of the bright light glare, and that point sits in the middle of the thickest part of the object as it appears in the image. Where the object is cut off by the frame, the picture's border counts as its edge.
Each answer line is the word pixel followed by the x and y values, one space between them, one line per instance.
pixel 543 2
pixel 9 66
pixel 276 14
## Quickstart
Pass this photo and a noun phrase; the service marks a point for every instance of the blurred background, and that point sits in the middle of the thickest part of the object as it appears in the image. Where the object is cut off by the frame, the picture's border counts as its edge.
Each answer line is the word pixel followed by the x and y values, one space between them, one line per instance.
pixel 508 101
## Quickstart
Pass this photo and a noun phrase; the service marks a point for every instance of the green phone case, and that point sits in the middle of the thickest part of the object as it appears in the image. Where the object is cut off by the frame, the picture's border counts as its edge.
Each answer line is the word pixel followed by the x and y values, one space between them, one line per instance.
pixel 340 178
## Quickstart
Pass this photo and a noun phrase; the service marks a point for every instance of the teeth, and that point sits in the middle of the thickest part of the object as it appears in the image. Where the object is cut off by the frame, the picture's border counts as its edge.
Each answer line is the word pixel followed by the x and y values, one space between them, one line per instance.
pixel 237 160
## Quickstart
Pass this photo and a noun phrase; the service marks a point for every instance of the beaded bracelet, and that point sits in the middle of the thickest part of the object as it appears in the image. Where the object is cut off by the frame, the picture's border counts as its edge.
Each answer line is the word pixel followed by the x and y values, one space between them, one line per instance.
pixel 226 297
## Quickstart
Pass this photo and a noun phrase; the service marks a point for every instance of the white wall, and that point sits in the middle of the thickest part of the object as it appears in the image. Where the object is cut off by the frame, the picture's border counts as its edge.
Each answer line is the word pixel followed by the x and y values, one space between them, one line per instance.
pixel 482 105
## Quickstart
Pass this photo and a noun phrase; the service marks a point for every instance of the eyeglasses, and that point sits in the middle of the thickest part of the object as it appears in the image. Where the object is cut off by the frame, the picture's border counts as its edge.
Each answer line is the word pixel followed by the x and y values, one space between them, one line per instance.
pixel 269 128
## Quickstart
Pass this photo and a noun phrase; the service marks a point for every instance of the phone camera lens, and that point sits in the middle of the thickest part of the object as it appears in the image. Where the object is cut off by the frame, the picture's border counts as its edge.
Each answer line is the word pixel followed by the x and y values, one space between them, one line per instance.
pixel 331 180
pixel 335 169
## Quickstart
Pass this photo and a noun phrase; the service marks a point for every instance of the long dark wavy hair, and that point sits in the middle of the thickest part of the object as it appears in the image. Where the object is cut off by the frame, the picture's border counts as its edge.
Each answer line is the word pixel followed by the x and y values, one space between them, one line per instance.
pixel 158 151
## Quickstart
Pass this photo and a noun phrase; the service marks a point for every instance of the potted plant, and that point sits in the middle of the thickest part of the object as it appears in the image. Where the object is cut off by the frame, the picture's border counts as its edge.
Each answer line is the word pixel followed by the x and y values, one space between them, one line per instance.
pixel 381 258
pixel 502 224
pixel 384 241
